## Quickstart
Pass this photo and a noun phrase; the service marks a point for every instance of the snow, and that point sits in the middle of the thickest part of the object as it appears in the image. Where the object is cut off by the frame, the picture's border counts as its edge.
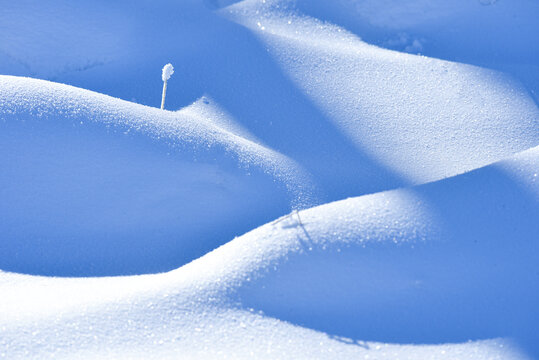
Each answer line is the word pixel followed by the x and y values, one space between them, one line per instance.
pixel 317 188
pixel 120 175
pixel 168 70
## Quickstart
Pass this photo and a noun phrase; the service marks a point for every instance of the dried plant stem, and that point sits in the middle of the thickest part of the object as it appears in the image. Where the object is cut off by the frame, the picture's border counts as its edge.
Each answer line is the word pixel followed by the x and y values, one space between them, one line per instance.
pixel 164 93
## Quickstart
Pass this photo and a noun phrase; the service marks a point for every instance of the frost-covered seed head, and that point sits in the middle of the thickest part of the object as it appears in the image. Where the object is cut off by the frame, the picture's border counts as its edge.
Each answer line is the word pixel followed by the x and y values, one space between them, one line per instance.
pixel 168 70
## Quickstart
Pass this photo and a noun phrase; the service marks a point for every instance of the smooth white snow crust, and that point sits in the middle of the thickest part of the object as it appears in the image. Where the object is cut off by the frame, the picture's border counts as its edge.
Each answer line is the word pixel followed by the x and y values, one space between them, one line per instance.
pixel 338 180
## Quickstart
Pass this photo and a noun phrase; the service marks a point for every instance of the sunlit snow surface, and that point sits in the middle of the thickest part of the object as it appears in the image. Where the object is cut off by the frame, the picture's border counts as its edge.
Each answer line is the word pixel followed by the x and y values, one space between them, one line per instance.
pixel 274 107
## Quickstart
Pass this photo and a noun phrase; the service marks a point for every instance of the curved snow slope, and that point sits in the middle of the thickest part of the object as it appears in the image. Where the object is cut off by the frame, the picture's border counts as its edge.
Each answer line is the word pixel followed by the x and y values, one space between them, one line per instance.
pixel 488 33
pixel 93 185
pixel 360 119
pixel 423 119
pixel 442 262
pixel 85 175
pixel 278 109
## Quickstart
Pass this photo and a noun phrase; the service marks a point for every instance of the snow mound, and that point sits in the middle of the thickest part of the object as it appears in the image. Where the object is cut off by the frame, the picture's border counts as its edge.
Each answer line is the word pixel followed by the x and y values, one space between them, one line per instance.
pixel 94 174
pixel 358 118
pixel 283 107
pixel 438 263
pixel 488 33
pixel 374 273
pixel 420 118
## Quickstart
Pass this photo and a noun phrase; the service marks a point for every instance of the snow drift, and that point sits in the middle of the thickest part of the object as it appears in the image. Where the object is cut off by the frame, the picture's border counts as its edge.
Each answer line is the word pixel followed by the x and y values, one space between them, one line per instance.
pixel 382 267
pixel 399 192
pixel 99 176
